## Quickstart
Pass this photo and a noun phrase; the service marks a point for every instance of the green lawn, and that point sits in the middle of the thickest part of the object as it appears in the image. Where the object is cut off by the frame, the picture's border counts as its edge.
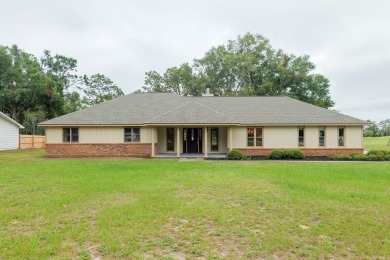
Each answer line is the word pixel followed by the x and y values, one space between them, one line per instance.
pixel 170 209
pixel 376 143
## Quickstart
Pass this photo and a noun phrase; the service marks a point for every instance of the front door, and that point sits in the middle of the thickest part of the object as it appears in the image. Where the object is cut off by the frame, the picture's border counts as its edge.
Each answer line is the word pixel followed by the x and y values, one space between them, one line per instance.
pixel 192 140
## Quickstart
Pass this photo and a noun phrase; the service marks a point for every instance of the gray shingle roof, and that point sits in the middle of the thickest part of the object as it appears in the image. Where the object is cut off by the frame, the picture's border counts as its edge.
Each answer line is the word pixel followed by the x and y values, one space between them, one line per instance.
pixel 167 108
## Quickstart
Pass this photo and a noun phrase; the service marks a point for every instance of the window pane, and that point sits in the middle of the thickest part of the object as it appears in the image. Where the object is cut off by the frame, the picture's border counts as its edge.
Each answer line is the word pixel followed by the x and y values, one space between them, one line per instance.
pixel 251 134
pixel 75 134
pixel 170 139
pixel 136 135
pixel 301 137
pixel 341 136
pixel 322 137
pixel 250 141
pixel 66 135
pixel 127 134
pixel 214 139
pixel 259 136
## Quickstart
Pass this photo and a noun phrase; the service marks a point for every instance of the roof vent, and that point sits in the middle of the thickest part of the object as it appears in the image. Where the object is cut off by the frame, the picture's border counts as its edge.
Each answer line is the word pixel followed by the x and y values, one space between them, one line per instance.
pixel 207 94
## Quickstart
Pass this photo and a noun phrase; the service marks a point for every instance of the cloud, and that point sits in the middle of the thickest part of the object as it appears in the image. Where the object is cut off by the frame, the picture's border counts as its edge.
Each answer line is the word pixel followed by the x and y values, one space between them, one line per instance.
pixel 347 40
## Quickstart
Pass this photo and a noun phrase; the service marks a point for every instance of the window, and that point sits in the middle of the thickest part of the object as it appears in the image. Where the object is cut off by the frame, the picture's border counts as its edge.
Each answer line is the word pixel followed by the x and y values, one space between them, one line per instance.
pixel 70 135
pixel 341 136
pixel 252 133
pixel 132 135
pixel 301 136
pixel 170 139
pixel 259 136
pixel 321 141
pixel 214 139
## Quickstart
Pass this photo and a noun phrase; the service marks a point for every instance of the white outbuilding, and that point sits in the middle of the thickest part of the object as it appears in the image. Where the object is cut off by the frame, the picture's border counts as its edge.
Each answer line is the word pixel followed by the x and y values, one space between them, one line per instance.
pixel 9 133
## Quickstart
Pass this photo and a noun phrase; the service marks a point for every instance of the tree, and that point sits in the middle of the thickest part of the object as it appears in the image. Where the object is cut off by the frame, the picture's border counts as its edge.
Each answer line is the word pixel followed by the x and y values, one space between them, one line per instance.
pixel 23 85
pixel 247 66
pixel 371 130
pixel 33 90
pixel 180 80
pixel 99 88
pixel 384 127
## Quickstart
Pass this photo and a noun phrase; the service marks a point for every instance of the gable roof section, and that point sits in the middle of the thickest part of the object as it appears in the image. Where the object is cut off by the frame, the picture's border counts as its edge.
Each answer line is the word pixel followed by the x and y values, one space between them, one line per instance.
pixel 7 118
pixel 192 113
pixel 169 108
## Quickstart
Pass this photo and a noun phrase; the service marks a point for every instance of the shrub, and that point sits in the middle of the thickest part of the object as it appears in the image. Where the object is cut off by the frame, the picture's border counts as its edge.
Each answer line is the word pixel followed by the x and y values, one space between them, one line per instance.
pixel 378 152
pixel 237 155
pixel 286 154
pixel 374 156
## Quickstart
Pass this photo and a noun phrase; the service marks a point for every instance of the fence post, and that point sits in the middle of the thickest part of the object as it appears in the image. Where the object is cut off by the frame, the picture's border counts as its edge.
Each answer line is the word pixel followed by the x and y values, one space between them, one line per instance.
pixel 33 141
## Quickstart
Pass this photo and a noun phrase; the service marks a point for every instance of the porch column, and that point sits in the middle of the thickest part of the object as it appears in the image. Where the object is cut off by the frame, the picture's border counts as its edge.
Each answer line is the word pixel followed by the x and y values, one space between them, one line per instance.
pixel 178 142
pixel 205 142
pixel 230 138
pixel 153 141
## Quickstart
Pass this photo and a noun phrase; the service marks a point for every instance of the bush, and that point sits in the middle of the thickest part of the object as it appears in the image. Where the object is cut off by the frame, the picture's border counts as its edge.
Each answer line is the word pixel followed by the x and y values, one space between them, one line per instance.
pixel 284 154
pixel 378 152
pixel 237 155
pixel 373 156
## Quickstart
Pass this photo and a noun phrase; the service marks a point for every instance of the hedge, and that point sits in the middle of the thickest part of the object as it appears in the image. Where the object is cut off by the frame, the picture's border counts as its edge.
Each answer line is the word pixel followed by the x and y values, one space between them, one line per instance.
pixel 286 154
pixel 237 155
pixel 374 155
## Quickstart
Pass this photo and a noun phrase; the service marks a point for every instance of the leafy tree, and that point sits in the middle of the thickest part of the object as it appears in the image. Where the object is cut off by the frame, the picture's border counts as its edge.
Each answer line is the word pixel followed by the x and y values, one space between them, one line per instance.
pixel 371 130
pixel 33 90
pixel 384 127
pixel 180 80
pixel 72 102
pixel 30 121
pixel 99 88
pixel 247 66
pixel 23 85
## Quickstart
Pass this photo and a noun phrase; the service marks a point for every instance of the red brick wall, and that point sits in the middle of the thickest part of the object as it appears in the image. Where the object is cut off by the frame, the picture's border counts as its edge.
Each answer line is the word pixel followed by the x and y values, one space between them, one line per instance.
pixel 99 150
pixel 306 151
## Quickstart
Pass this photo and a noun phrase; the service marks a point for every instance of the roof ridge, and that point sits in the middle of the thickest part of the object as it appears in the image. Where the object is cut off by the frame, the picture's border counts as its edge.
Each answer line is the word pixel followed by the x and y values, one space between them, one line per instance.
pixel 217 112
pixel 169 111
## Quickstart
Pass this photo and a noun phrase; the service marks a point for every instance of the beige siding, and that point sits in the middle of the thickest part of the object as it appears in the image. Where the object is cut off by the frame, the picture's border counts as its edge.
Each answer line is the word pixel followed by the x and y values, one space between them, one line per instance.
pixel 239 137
pixel 162 140
pixel 146 135
pixel 222 140
pixel 101 135
pixel 280 137
pixel 53 135
pixel 93 135
pixel 353 137
pixel 311 137
pixel 331 140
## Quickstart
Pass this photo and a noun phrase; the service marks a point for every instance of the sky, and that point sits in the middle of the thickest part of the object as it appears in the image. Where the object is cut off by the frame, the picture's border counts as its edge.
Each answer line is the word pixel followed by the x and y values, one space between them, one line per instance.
pixel 348 41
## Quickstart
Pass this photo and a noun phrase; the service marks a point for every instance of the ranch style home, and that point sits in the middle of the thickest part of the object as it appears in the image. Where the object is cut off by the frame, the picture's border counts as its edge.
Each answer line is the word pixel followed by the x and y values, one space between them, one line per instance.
pixel 169 125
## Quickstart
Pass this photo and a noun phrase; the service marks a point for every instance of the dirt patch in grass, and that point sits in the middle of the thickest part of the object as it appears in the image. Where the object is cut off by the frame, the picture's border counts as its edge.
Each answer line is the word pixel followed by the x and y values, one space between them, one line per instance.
pixel 201 239
pixel 93 252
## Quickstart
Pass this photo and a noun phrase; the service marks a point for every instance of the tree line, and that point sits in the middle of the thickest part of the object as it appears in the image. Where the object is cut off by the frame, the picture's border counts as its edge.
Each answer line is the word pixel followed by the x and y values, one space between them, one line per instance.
pixel 377 129
pixel 36 89
pixel 246 66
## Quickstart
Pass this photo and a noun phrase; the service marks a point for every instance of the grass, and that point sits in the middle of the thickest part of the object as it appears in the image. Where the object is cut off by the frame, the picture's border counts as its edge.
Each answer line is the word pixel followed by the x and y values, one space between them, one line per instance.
pixel 170 209
pixel 376 143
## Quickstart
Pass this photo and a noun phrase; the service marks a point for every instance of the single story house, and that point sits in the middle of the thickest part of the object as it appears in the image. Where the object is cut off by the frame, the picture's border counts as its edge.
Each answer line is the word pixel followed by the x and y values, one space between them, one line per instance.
pixel 166 124
pixel 9 133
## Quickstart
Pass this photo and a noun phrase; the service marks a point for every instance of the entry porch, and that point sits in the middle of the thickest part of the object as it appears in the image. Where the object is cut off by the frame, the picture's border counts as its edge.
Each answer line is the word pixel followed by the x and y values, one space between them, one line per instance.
pixel 191 141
